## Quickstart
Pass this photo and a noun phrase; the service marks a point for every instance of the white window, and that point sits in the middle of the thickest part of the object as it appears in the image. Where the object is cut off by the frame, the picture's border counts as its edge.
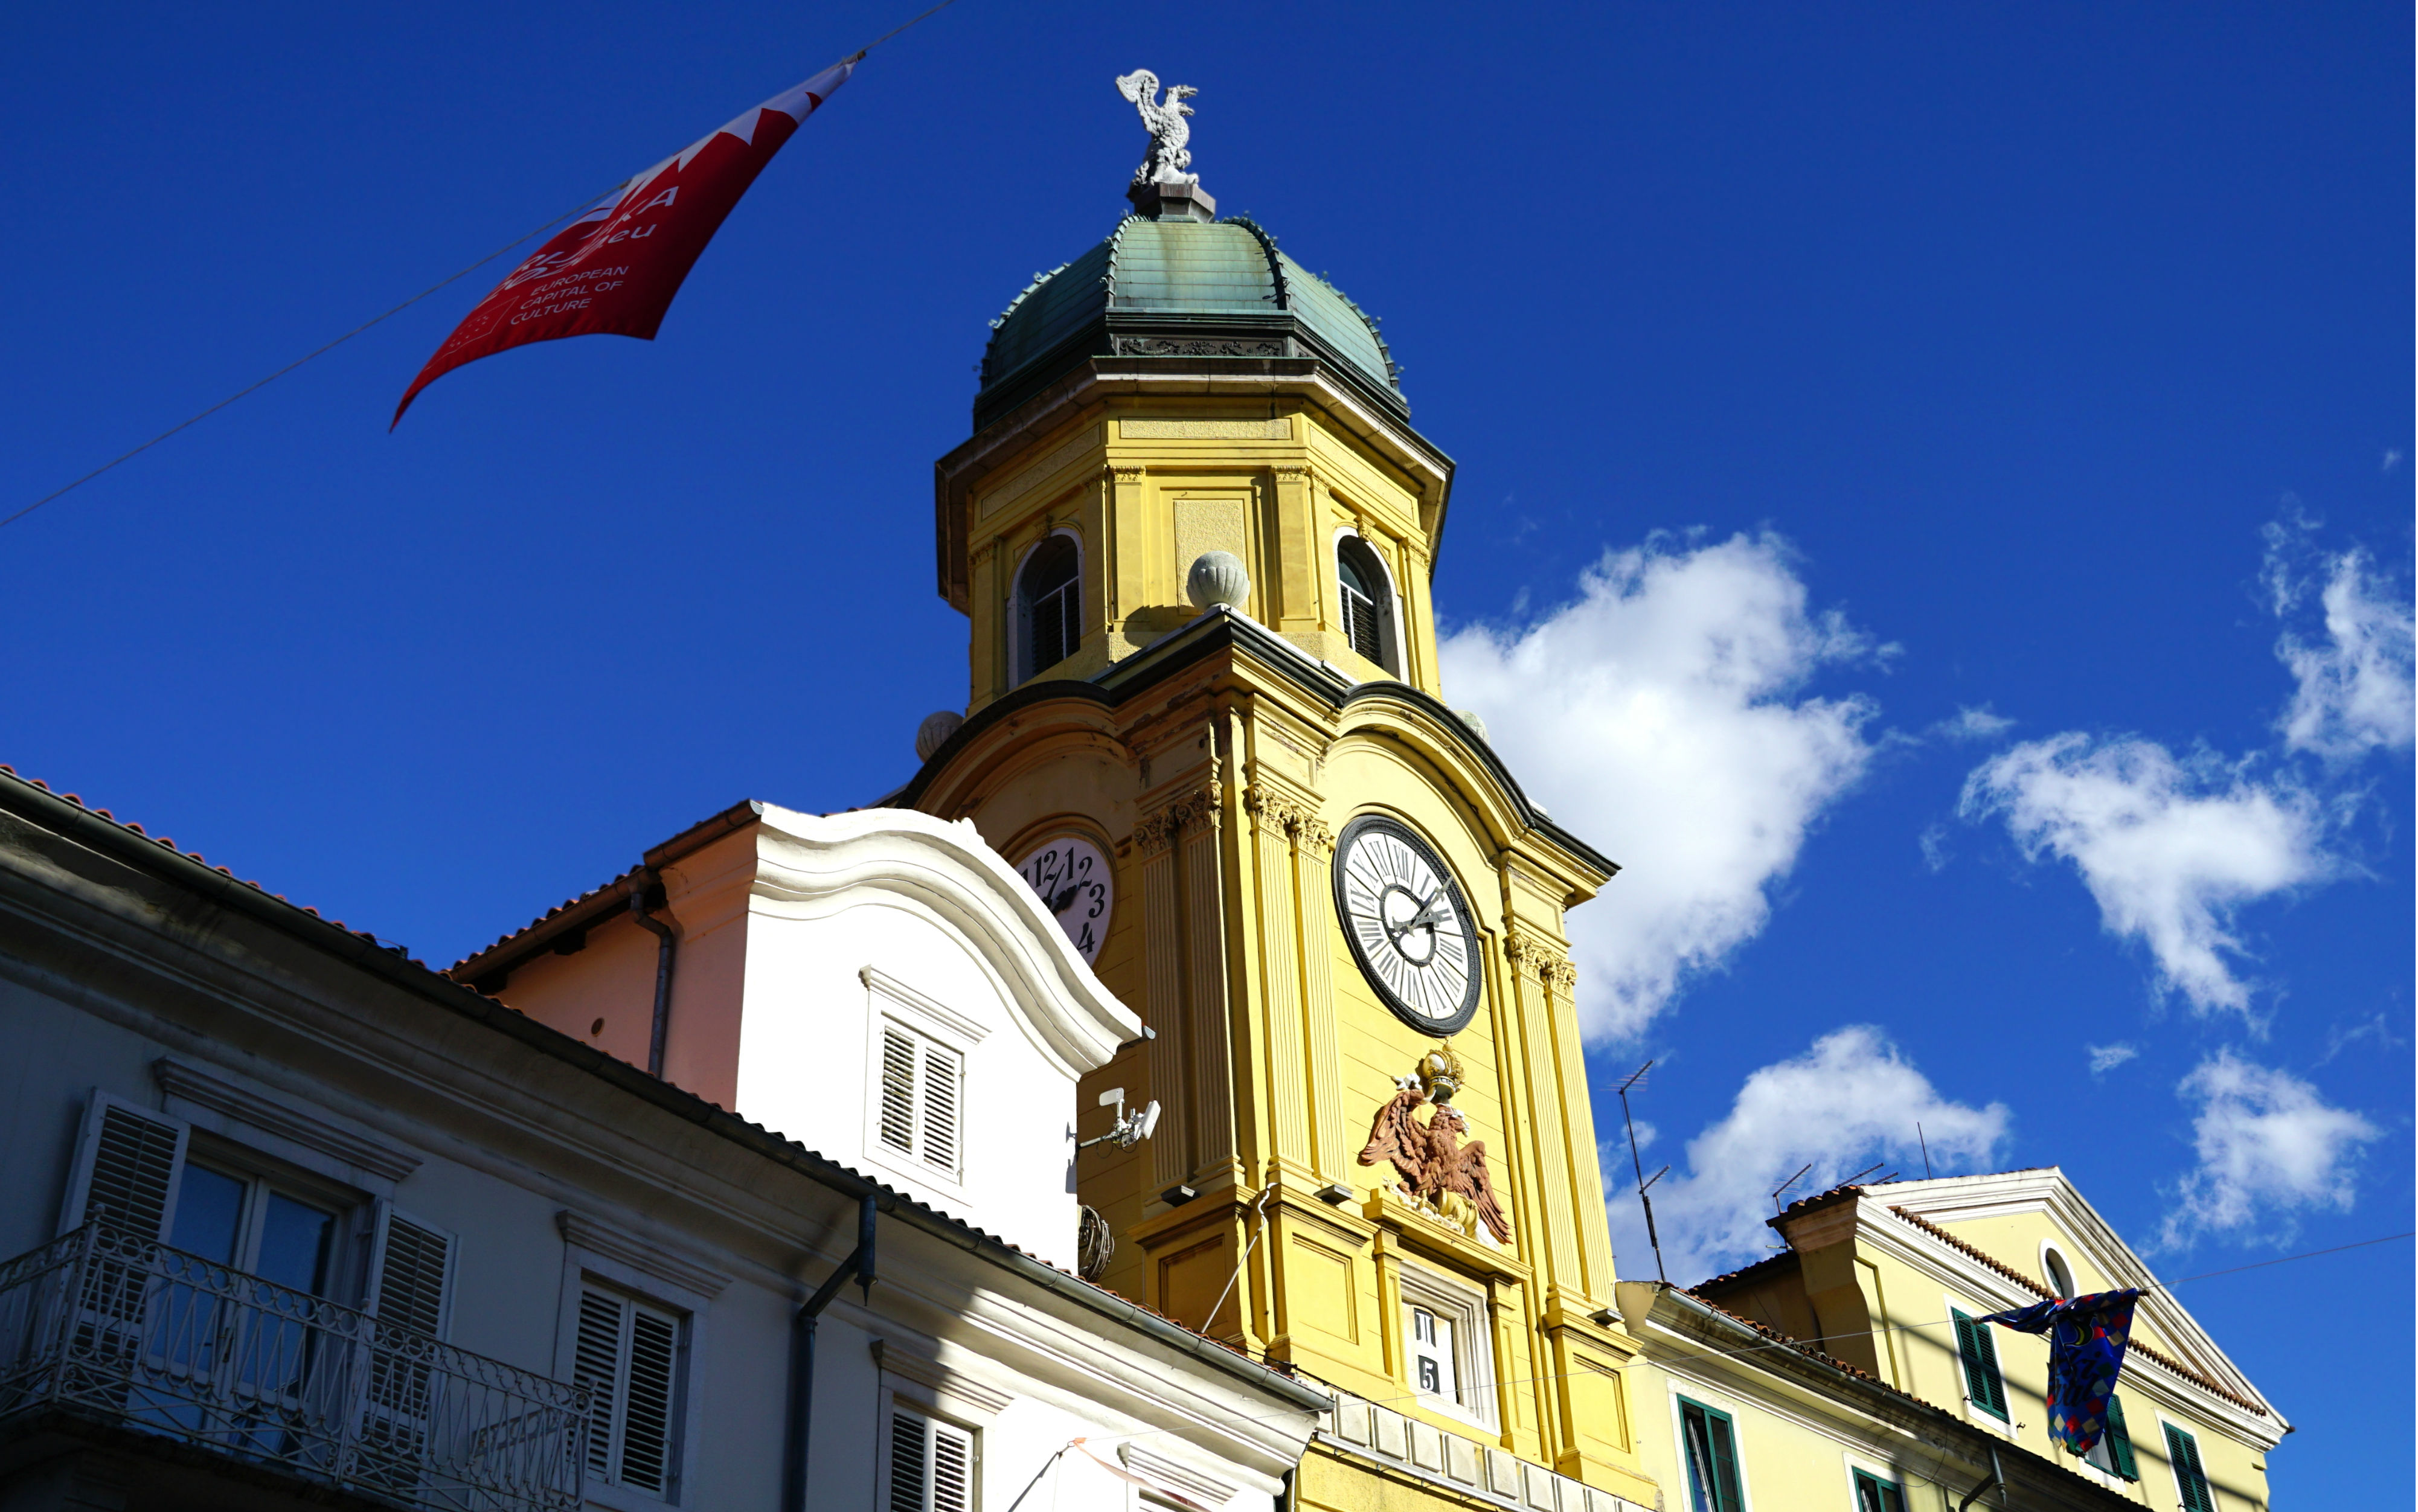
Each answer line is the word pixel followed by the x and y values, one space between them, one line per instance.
pixel 931 1465
pixel 2061 1275
pixel 1048 611
pixel 1448 1346
pixel 1431 1366
pixel 628 1357
pixel 920 1098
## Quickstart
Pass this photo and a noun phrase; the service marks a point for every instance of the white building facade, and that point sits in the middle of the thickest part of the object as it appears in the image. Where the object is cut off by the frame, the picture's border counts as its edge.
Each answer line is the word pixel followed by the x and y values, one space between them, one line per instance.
pixel 297 1220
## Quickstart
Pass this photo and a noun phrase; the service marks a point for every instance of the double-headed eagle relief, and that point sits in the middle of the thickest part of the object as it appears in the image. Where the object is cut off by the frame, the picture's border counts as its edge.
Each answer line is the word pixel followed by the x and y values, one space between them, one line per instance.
pixel 1435 1167
pixel 1169 133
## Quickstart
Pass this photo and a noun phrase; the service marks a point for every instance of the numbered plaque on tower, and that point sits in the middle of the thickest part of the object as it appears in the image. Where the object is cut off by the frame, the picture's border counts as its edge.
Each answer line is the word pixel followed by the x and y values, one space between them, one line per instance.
pixel 1073 879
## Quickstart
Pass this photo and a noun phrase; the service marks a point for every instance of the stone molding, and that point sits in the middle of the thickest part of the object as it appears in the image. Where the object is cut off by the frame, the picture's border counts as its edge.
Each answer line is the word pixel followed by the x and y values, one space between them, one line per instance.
pixel 1156 831
pixel 665 1265
pixel 1530 956
pixel 1170 1474
pixel 1280 811
pixel 890 1359
pixel 1136 428
pixel 244 1106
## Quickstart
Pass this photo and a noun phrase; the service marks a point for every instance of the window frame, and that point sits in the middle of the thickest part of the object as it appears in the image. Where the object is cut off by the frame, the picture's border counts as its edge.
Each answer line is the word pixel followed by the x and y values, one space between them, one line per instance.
pixel 895 1408
pixel 2053 1259
pixel 597 1256
pixel 1727 1418
pixel 1470 1313
pixel 1857 1478
pixel 1389 657
pixel 1020 648
pixel 891 1001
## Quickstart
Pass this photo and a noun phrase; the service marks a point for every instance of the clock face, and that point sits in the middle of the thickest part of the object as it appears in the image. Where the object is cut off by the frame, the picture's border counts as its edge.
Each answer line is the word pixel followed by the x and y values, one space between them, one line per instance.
pixel 1409 929
pixel 1073 879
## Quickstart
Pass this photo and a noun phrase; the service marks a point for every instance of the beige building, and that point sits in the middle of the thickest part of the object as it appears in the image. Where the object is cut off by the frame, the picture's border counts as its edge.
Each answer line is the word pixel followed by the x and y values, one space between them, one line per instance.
pixel 1846 1370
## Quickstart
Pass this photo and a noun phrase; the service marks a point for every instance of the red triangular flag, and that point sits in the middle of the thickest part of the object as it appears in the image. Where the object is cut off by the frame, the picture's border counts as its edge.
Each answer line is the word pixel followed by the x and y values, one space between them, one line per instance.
pixel 614 270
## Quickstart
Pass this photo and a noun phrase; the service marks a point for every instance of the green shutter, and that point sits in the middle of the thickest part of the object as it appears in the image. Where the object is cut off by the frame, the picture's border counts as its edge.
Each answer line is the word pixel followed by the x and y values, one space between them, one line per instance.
pixel 2119 1443
pixel 1979 1353
pixel 1726 1474
pixel 2184 1450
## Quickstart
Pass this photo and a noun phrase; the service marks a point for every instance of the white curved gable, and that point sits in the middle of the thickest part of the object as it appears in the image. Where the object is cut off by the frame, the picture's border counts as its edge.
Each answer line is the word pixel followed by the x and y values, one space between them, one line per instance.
pixel 890 952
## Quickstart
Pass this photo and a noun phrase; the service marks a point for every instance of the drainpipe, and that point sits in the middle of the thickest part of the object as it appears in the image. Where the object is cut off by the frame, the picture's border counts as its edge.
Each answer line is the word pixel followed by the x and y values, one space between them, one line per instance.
pixel 668 946
pixel 1997 1478
pixel 858 1266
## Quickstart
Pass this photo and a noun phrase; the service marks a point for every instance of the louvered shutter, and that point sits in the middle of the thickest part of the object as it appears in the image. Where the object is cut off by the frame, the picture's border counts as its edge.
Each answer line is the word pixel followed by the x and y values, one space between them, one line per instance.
pixel 2119 1443
pixel 953 1469
pixel 898 1090
pixel 596 1365
pixel 646 1418
pixel 909 1464
pixel 944 1075
pixel 931 1465
pixel 2190 1480
pixel 1978 1354
pixel 922 1099
pixel 412 1266
pixel 627 1356
pixel 125 1173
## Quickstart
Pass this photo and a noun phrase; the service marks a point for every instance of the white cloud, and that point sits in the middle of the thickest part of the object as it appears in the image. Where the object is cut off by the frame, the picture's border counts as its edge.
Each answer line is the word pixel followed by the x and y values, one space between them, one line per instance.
pixel 1982 723
pixel 1660 716
pixel 2107 1057
pixel 1933 841
pixel 2269 1147
pixel 1848 1101
pixel 2168 849
pixel 2354 692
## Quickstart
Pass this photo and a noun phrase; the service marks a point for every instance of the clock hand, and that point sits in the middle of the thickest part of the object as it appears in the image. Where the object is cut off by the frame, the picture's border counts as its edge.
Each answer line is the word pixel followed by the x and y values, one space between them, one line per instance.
pixel 1058 903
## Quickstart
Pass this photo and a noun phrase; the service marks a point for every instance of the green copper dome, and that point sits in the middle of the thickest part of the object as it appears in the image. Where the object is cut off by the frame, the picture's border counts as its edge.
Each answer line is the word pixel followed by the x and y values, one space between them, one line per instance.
pixel 1217 291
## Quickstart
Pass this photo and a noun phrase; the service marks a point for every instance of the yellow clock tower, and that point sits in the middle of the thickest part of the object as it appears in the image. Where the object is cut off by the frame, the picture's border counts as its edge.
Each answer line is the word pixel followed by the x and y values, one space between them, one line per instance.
pixel 1194 531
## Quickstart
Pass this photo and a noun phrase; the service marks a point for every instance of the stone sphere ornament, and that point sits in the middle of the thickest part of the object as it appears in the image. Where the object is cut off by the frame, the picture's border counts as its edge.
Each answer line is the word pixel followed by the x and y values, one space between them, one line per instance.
pixel 1217 579
pixel 935 731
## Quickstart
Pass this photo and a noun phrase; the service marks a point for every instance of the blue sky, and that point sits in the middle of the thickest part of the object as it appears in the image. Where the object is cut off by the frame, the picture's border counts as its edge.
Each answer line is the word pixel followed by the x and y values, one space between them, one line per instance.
pixel 1816 377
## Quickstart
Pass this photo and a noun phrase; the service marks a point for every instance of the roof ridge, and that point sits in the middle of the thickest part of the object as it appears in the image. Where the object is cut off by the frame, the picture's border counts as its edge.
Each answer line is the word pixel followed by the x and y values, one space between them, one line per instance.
pixel 2136 1345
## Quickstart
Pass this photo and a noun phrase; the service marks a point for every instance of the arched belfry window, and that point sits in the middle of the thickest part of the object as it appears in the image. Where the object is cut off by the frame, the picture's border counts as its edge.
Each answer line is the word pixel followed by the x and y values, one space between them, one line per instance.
pixel 1049 607
pixel 1368 602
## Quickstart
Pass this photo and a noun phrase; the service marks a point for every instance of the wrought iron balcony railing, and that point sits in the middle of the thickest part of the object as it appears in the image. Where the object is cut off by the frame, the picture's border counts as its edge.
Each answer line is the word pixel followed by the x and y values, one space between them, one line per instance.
pixel 142 1337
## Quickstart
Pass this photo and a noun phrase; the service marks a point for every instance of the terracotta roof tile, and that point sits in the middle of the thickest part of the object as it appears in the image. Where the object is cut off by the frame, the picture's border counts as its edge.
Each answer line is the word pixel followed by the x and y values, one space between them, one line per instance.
pixel 1744 1275
pixel 161 840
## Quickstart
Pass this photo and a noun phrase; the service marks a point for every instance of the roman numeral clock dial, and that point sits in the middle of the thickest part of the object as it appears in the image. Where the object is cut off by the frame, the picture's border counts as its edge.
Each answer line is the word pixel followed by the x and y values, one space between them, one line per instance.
pixel 1408 927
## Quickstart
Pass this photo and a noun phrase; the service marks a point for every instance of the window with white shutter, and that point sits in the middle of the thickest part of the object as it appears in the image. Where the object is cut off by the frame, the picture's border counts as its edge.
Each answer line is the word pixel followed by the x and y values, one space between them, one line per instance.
pixel 931 1465
pixel 920 1098
pixel 628 1357
pixel 125 1170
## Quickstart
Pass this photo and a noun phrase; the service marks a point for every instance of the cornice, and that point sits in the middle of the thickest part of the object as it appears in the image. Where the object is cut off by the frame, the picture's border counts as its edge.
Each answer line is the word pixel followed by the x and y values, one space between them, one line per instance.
pixel 665 1262
pixel 200 1088
pixel 1221 631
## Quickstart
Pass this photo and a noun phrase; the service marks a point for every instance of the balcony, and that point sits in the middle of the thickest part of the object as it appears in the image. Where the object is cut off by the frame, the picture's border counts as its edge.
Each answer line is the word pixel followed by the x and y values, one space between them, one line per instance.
pixel 136 1338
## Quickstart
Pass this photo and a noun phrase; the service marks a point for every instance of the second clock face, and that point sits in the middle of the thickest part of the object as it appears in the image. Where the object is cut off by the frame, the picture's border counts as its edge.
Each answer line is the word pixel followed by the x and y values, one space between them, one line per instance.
pixel 1409 929
pixel 1073 879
